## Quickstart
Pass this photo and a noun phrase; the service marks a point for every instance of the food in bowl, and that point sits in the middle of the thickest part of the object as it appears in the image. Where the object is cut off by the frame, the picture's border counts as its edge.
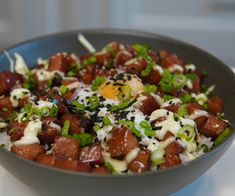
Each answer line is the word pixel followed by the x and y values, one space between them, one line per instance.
pixel 124 109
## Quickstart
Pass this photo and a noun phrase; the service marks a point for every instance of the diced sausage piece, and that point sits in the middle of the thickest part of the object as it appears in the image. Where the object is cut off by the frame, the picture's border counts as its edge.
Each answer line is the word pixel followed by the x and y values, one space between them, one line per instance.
pixel 136 66
pixel 105 72
pixel 8 81
pixel 87 74
pixel 173 108
pixel 167 135
pixel 30 151
pixel 141 163
pixel 6 107
pixel 91 154
pixel 193 107
pixel 68 81
pixel 16 130
pixel 121 142
pixel 213 127
pixel 169 161
pixel 46 159
pixel 59 62
pixel 74 123
pixel 23 102
pixel 153 56
pixel 102 58
pixel 170 60
pixel 100 170
pixel 214 105
pixel 154 77
pixel 196 85
pixel 48 134
pixel 148 105
pixel 66 148
pixel 113 48
pixel 73 165
pixel 122 57
pixel 174 148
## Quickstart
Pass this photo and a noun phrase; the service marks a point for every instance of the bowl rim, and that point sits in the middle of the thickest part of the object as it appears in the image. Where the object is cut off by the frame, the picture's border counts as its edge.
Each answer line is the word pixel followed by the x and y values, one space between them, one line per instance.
pixel 128 32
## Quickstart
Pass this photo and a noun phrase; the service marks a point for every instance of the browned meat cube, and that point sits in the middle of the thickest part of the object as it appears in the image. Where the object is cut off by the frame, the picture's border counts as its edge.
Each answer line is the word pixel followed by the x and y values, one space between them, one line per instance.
pixel 74 123
pixel 91 154
pixel 148 105
pixel 154 77
pixel 5 107
pixel 215 105
pixel 8 81
pixel 59 62
pixel 48 134
pixel 66 148
pixel 136 66
pixel 173 108
pixel 213 127
pixel 174 148
pixel 87 74
pixel 196 85
pixel 16 130
pixel 46 159
pixel 122 57
pixel 121 142
pixel 170 160
pixel 73 165
pixel 100 170
pixel 30 151
pixel 102 58
pixel 169 60
pixel 141 163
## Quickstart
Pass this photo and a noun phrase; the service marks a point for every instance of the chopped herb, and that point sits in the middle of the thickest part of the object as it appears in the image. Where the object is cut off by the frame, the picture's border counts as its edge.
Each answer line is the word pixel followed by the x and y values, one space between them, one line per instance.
pixel 65 129
pixel 84 138
pixel 106 121
pixel 124 93
pixel 94 102
pixel 78 106
pixel 131 126
pixel 49 83
pixel 53 111
pixel 97 82
pixel 182 110
pixel 178 81
pixel 63 89
pixel 89 61
pixel 166 81
pixel 185 98
pixel 205 148
pixel 191 76
pixel 110 168
pixel 222 136
pixel 31 82
pixel 168 97
pixel 97 127
pixel 4 109
pixel 204 73
pixel 186 132
pixel 148 88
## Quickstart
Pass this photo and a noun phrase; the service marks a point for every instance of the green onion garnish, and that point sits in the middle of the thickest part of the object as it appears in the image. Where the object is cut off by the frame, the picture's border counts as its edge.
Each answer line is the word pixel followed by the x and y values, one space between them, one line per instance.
pixel 94 102
pixel 178 81
pixel 84 138
pixel 78 106
pixel 53 111
pixel 222 136
pixel 168 97
pixel 148 88
pixel 185 98
pixel 182 110
pixel 97 82
pixel 147 128
pixel 106 121
pixel 124 93
pixel 65 129
pixel 90 60
pixel 63 89
pixel 157 156
pixel 166 81
pixel 131 126
pixel 110 168
pixel 186 132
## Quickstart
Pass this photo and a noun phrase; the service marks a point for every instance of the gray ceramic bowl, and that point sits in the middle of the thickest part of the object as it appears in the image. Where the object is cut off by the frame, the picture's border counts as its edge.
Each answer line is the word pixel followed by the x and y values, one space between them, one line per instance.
pixel 51 181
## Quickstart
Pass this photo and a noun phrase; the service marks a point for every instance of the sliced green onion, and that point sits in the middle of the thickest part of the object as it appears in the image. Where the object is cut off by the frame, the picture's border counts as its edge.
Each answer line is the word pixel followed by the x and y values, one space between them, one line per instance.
pixel 63 89
pixel 182 110
pixel 49 83
pixel 4 109
pixel 44 111
pixel 205 148
pixel 186 132
pixel 97 82
pixel 142 50
pixel 110 168
pixel 178 81
pixel 185 98
pixel 157 156
pixel 96 127
pixel 191 76
pixel 168 97
pixel 31 82
pixel 94 102
pixel 166 81
pixel 150 88
pixel 84 138
pixel 124 93
pixel 222 136
pixel 90 60
pixel 147 128
pixel 131 126
pixel 204 73
pixel 65 129
pixel 53 110
pixel 106 121
pixel 78 105
pixel 122 105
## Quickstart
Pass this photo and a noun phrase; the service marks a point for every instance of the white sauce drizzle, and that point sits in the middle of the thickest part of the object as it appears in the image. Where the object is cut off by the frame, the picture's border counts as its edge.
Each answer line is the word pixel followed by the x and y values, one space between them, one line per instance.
pixel 20 65
pixel 198 113
pixel 171 102
pixel 176 67
pixel 17 94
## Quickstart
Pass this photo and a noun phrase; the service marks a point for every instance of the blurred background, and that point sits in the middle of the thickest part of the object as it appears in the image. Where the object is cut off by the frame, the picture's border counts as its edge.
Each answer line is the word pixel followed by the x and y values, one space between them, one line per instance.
pixel 209 24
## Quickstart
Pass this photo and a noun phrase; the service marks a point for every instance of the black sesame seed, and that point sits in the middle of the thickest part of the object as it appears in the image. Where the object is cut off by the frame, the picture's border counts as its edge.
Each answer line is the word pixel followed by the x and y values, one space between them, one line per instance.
pixel 132 118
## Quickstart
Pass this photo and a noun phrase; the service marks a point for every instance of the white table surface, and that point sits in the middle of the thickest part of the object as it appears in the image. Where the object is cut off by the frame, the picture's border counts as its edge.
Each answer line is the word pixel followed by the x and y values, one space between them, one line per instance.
pixel 217 181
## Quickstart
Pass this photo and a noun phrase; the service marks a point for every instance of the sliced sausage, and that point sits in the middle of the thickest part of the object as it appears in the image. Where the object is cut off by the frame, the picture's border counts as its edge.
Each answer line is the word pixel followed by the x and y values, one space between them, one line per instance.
pixel 169 161
pixel 214 105
pixel 91 154
pixel 121 142
pixel 154 77
pixel 213 127
pixel 8 80
pixel 148 105
pixel 6 107
pixel 66 148
pixel 136 66
pixel 141 163
pixel 46 159
pixel 174 148
pixel 16 130
pixel 30 151
pixel 59 62
pixel 121 58
pixel 73 165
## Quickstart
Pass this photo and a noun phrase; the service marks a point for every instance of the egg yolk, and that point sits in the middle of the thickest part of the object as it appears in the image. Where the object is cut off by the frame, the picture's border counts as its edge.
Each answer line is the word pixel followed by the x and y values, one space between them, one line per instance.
pixel 109 91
